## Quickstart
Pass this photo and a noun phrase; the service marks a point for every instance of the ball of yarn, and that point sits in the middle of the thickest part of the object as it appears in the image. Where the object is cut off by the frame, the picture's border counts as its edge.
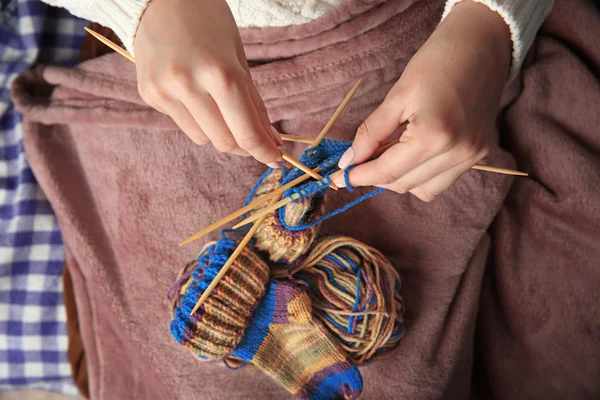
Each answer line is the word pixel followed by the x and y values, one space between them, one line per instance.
pixel 277 242
pixel 215 330
pixel 355 293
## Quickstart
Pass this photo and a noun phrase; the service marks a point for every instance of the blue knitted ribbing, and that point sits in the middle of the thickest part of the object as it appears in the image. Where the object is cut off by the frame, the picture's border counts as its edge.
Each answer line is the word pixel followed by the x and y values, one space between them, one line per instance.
pixel 210 262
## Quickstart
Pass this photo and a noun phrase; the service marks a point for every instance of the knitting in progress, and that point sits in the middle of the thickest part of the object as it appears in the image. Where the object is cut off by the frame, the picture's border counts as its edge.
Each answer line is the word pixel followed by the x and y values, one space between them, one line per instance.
pixel 304 310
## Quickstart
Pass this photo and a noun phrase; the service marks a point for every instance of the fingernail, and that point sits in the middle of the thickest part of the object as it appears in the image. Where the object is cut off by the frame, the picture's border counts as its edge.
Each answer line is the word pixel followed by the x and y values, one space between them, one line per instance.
pixel 276 135
pixel 347 158
pixel 339 181
pixel 273 165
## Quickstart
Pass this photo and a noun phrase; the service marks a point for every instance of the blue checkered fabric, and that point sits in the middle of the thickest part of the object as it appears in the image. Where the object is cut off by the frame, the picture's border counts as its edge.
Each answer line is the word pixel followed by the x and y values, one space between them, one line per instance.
pixel 33 338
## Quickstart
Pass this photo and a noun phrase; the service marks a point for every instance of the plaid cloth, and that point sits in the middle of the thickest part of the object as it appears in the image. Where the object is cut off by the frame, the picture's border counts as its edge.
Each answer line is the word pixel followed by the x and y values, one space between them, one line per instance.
pixel 33 337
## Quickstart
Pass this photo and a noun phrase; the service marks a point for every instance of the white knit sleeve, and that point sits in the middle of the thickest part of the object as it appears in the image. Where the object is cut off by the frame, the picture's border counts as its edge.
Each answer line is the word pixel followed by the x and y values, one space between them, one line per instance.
pixel 122 16
pixel 523 17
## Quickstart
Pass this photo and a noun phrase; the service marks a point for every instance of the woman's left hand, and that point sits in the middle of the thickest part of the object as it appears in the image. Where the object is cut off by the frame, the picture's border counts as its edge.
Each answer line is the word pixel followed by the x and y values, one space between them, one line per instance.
pixel 450 95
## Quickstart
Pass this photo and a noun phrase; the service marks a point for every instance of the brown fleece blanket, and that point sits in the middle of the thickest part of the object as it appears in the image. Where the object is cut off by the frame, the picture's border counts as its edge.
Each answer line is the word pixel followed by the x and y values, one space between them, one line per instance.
pixel 499 277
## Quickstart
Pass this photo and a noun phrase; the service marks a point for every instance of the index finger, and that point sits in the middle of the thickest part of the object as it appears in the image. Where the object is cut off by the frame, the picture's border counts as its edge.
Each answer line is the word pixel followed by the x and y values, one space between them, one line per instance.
pixel 240 114
pixel 379 126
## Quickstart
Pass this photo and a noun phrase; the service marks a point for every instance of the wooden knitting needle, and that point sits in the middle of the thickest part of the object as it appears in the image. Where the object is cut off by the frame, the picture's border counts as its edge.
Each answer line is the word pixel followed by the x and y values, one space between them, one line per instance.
pixel 247 208
pixel 304 168
pixel 335 116
pixel 296 138
pixel 275 206
pixel 498 170
pixel 111 44
pixel 230 261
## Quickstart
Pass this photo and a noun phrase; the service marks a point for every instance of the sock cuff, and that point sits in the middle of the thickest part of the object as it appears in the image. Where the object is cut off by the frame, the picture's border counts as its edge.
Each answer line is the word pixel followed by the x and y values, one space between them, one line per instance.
pixel 216 329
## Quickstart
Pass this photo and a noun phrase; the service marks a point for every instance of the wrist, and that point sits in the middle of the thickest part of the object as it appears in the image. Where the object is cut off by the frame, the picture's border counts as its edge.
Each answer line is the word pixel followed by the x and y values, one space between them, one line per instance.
pixel 123 17
pixel 485 31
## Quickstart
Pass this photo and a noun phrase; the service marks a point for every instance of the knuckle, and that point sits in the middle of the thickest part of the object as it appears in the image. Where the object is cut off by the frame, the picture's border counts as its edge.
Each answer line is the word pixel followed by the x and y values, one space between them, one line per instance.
pixel 251 143
pixel 436 143
pixel 444 141
pixel 225 145
pixel 200 140
pixel 151 92
pixel 386 178
pixel 221 78
pixel 467 149
pixel 365 130
pixel 401 187
pixel 484 151
pixel 425 195
pixel 179 77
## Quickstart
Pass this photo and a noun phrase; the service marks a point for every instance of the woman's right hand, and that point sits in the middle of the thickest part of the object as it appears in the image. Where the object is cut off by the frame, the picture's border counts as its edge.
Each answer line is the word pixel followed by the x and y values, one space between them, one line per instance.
pixel 191 65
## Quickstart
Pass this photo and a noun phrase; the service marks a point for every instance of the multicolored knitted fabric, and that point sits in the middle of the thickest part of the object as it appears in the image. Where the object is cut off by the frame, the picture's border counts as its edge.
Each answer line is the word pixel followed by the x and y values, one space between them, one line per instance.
pixel 281 338
pixel 288 345
pixel 216 330
pixel 287 233
pixel 272 237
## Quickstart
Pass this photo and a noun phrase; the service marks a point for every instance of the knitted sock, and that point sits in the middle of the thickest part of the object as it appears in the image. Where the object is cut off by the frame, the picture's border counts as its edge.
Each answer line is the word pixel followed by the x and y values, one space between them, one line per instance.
pixel 286 343
pixel 279 243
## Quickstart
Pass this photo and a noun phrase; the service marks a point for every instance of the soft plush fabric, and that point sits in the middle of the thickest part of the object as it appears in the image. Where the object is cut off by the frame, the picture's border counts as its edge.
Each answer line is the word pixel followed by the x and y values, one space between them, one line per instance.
pixel 500 276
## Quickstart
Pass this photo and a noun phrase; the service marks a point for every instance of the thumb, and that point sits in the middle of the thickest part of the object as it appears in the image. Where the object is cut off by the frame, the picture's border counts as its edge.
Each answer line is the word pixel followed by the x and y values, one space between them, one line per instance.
pixel 380 125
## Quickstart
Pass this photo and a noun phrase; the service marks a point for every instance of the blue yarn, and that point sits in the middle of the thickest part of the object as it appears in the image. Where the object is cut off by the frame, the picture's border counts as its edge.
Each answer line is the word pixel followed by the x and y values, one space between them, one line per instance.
pixel 347 180
pixel 350 378
pixel 332 280
pixel 210 262
pixel 256 186
pixel 356 303
pixel 256 332
pixel 332 213
pixel 332 321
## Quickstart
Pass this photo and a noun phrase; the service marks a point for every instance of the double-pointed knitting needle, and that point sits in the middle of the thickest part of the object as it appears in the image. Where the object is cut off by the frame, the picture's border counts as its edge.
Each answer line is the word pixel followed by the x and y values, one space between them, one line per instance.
pixel 247 208
pixel 296 138
pixel 304 169
pixel 276 205
pixel 231 260
pixel 335 116
pixel 111 44
pixel 322 134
